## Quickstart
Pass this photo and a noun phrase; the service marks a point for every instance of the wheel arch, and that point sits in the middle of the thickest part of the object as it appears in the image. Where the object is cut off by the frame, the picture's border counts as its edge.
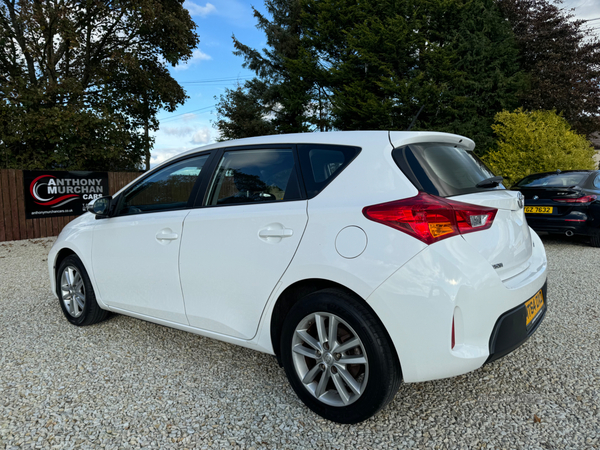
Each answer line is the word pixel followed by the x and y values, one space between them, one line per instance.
pixel 60 256
pixel 295 292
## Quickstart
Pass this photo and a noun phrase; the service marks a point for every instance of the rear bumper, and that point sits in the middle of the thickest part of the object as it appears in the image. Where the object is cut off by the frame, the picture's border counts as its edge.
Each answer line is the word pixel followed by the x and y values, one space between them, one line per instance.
pixel 451 283
pixel 511 330
pixel 579 224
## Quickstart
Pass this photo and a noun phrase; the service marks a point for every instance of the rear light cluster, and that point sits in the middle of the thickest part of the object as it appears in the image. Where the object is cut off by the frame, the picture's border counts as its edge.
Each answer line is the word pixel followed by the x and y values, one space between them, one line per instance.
pixel 584 199
pixel 430 218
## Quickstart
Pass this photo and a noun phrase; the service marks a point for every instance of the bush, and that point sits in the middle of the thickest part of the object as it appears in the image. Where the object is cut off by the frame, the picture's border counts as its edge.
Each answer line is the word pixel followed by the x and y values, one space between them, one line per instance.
pixel 536 141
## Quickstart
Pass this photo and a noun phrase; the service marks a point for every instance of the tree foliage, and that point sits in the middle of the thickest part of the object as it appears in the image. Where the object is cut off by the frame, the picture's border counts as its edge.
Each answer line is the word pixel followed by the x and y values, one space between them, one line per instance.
pixel 536 141
pixel 349 64
pixel 242 112
pixel 386 59
pixel 561 56
pixel 279 99
pixel 79 79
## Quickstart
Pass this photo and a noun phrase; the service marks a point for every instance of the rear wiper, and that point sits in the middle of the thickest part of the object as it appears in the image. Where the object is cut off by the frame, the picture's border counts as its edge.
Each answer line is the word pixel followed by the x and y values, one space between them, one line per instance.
pixel 489 182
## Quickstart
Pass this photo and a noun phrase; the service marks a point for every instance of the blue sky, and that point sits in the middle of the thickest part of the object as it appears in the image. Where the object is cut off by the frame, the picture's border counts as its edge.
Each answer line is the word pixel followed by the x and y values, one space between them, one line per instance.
pixel 214 68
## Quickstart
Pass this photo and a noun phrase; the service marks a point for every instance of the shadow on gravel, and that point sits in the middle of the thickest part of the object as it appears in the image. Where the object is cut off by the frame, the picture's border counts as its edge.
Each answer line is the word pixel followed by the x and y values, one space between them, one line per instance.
pixel 580 241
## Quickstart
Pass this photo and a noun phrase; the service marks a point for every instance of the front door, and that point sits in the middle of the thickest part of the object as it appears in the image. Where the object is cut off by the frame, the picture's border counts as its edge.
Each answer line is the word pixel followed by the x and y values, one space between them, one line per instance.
pixel 135 255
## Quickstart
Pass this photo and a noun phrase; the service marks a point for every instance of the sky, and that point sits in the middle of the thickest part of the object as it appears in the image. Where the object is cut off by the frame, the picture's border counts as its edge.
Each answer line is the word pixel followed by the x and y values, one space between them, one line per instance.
pixel 213 68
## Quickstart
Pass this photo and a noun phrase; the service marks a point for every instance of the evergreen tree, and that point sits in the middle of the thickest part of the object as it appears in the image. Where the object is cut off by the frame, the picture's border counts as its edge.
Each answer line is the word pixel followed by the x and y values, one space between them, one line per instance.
pixel 241 112
pixel 386 59
pixel 562 57
pixel 281 96
pixel 372 64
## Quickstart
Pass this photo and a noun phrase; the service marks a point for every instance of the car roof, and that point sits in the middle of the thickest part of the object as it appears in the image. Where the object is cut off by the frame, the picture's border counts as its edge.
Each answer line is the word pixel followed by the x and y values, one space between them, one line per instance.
pixel 352 138
pixel 539 175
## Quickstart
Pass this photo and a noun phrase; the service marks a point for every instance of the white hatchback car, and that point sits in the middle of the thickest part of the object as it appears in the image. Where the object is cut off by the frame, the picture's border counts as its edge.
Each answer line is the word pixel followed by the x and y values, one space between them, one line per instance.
pixel 360 259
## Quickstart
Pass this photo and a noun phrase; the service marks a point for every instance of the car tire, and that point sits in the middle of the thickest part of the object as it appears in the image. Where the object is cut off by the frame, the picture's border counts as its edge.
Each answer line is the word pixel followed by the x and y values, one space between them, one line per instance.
pixel 595 240
pixel 321 334
pixel 76 294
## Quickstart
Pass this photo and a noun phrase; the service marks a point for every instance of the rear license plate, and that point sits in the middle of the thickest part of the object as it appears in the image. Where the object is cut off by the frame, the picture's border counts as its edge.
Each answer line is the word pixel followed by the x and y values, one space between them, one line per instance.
pixel 534 305
pixel 538 209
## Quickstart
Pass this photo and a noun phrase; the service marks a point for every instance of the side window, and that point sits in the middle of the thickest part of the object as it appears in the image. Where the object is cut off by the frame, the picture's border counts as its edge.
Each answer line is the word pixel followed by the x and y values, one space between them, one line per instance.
pixel 322 163
pixel 597 181
pixel 167 189
pixel 251 176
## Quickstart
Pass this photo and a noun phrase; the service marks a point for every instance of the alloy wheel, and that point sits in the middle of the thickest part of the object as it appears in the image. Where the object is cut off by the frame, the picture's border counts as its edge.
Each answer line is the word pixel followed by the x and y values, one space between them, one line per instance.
pixel 330 359
pixel 72 291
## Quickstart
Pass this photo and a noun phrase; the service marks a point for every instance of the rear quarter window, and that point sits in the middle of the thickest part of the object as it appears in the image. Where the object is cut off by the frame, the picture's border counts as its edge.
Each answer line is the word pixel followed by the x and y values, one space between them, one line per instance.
pixel 442 169
pixel 320 164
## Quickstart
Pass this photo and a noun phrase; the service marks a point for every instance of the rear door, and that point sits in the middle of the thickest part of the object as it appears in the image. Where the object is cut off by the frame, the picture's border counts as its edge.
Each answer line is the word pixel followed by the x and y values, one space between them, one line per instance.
pixel 450 171
pixel 236 248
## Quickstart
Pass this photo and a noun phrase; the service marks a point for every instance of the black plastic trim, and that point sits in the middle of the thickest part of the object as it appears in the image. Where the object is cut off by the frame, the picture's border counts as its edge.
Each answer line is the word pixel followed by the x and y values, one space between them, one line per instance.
pixel 510 331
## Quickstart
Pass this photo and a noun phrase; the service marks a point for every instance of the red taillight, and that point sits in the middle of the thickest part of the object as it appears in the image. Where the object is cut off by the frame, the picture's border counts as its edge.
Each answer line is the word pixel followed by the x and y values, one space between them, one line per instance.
pixel 430 218
pixel 584 199
pixel 453 339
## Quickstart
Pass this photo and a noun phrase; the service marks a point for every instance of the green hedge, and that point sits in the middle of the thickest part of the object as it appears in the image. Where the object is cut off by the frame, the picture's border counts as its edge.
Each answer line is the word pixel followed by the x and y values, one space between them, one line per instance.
pixel 536 141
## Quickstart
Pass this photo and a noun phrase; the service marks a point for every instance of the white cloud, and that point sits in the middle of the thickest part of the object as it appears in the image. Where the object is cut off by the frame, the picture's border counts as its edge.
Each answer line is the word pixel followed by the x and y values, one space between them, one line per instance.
pixel 188 117
pixel 179 134
pixel 197 56
pixel 178 131
pixel 161 155
pixel 202 136
pixel 197 10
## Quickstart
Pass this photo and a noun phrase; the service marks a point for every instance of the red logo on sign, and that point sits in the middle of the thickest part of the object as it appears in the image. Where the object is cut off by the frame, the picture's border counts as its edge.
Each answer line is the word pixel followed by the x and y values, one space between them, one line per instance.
pixel 41 181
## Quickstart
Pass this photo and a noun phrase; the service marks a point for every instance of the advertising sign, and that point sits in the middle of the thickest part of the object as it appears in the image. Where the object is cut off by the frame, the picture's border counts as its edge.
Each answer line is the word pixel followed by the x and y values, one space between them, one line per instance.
pixel 54 193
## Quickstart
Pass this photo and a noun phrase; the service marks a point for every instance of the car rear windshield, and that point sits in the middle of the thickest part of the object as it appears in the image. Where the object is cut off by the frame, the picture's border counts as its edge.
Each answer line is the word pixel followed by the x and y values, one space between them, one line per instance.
pixel 442 169
pixel 564 179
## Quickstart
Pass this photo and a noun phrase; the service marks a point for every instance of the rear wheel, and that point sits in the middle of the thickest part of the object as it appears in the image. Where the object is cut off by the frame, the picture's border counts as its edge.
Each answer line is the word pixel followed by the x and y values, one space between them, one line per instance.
pixel 76 294
pixel 338 357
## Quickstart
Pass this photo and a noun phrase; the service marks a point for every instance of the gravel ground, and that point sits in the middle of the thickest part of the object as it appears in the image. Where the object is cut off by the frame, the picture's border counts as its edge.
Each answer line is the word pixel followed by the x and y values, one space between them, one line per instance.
pixel 126 383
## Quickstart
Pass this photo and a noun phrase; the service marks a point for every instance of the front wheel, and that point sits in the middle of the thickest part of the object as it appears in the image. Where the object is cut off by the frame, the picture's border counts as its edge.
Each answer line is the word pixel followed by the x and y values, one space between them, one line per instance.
pixel 76 294
pixel 338 357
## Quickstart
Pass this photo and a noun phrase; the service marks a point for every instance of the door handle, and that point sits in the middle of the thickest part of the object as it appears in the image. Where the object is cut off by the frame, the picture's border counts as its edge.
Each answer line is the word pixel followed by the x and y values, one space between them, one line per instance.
pixel 277 233
pixel 162 236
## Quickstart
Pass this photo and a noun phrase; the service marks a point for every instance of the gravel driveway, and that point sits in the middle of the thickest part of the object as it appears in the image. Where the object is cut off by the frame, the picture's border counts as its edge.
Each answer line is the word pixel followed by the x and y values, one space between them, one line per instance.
pixel 126 383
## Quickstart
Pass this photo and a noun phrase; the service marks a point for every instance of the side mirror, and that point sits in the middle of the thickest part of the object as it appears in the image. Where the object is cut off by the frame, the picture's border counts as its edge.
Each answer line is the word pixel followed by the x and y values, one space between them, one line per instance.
pixel 99 206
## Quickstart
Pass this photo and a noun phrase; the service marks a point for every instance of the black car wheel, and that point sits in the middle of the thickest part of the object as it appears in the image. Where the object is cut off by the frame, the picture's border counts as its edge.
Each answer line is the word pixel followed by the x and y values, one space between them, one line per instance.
pixel 338 357
pixel 76 294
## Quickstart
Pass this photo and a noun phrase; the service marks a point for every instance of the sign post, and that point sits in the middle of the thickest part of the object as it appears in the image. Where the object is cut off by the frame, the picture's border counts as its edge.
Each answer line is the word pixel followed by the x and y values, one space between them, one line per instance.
pixel 61 193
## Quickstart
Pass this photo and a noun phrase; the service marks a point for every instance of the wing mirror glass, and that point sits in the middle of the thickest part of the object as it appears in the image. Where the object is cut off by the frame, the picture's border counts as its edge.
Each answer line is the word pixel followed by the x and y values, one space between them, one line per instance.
pixel 100 206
